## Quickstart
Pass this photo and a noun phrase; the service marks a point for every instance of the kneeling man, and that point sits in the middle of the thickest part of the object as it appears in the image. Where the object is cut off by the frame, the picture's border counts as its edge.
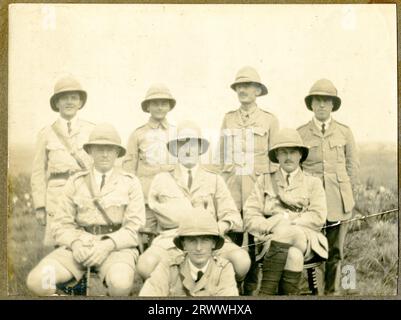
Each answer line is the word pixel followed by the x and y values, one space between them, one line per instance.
pixel 287 210
pixel 198 271
pixel 97 223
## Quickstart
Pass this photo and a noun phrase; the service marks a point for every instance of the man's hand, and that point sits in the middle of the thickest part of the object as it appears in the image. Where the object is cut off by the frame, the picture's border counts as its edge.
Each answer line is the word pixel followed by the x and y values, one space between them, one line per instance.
pixel 100 252
pixel 40 214
pixel 81 252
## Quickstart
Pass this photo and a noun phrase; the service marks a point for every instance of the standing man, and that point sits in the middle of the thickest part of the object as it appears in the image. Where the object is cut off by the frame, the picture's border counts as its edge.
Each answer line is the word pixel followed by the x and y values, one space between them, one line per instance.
pixel 198 271
pixel 97 222
pixel 334 159
pixel 59 152
pixel 147 154
pixel 245 140
pixel 173 194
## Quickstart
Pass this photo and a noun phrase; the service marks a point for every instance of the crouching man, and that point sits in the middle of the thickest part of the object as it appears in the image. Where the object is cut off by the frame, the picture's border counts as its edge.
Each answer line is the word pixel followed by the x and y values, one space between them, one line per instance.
pixel 197 271
pixel 287 210
pixel 97 223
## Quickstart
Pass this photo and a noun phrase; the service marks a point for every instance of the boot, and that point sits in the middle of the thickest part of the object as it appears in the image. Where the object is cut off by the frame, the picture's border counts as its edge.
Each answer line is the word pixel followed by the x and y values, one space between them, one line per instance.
pixel 289 283
pixel 273 266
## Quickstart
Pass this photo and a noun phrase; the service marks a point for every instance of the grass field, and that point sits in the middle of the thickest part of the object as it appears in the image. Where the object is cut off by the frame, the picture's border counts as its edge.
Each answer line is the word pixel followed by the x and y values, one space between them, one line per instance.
pixel 371 246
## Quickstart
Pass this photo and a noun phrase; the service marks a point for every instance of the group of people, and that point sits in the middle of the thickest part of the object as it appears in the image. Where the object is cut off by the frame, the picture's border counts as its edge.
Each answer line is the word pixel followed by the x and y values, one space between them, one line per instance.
pixel 264 204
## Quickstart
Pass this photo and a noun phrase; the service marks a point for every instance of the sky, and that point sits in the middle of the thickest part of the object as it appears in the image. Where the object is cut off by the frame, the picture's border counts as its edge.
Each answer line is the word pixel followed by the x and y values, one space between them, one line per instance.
pixel 118 51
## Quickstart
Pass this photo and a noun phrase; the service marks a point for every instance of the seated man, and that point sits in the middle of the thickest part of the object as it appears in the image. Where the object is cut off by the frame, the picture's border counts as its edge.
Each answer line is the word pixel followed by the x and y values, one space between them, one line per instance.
pixel 96 224
pixel 173 194
pixel 196 272
pixel 287 210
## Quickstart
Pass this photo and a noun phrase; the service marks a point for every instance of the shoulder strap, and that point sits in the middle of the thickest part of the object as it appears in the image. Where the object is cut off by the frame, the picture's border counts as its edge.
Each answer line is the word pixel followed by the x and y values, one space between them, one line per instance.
pixel 69 148
pixel 274 184
pixel 96 201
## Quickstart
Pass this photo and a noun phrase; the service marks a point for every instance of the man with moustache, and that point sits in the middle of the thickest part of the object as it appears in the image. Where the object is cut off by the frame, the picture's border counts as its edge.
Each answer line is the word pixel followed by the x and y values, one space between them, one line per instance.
pixel 333 158
pixel 286 210
pixel 59 153
pixel 96 224
pixel 246 135
pixel 198 271
pixel 147 154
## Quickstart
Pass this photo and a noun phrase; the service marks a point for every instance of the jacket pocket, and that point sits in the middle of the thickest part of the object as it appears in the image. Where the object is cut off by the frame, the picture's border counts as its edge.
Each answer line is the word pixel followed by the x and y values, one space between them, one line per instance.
pixel 315 152
pixel 260 139
pixel 338 146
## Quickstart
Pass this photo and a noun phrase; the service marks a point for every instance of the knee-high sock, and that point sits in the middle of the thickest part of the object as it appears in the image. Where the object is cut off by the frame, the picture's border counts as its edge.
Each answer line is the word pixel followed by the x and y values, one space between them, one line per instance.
pixel 273 266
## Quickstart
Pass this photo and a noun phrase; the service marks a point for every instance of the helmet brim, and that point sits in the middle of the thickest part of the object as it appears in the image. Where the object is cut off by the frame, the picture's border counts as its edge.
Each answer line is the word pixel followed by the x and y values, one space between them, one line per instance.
pixel 336 101
pixel 304 151
pixel 179 239
pixel 87 146
pixel 54 97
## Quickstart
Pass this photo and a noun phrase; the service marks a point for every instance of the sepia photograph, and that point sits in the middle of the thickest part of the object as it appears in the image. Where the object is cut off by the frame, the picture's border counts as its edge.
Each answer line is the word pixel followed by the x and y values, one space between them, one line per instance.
pixel 202 150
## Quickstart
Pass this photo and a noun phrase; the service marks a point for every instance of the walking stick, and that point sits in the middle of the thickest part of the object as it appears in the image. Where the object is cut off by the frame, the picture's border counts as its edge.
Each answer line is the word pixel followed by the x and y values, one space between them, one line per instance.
pixel 88 275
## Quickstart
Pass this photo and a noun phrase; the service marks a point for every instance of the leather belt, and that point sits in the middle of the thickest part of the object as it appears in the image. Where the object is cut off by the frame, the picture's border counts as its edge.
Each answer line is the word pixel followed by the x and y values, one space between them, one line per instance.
pixel 61 175
pixel 102 229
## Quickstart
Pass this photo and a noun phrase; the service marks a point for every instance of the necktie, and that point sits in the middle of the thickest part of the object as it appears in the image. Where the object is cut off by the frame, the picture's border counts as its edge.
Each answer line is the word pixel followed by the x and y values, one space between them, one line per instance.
pixel 323 128
pixel 103 181
pixel 189 179
pixel 199 276
pixel 69 127
pixel 288 179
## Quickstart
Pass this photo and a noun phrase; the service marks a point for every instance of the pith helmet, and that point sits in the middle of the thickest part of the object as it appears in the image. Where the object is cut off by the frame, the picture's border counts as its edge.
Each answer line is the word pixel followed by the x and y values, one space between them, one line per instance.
pixel 198 222
pixel 249 75
pixel 157 91
pixel 185 131
pixel 67 84
pixel 323 87
pixel 287 138
pixel 105 134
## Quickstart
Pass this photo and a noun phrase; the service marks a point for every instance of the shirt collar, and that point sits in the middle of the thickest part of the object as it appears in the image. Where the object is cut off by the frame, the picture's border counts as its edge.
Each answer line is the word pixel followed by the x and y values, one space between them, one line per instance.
pixel 157 124
pixel 194 170
pixel 319 123
pixel 64 122
pixel 292 174
pixel 98 175
pixel 250 111
pixel 194 270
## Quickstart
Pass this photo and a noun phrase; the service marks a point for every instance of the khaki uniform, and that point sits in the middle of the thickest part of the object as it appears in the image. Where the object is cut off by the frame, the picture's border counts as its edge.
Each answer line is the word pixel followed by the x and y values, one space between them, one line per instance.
pixel 333 158
pixel 122 199
pixel 170 198
pixel 263 203
pixel 147 155
pixel 53 164
pixel 172 277
pixel 242 160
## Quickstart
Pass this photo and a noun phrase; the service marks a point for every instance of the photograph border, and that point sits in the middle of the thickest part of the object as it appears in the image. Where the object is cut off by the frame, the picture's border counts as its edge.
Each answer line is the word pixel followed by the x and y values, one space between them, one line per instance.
pixel 5 182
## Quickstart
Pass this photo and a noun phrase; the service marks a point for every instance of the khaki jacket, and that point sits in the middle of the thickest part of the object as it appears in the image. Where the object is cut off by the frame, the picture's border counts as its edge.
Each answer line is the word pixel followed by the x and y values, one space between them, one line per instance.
pixel 243 150
pixel 147 153
pixel 334 159
pixel 173 278
pixel 51 156
pixel 122 199
pixel 170 198
pixel 263 207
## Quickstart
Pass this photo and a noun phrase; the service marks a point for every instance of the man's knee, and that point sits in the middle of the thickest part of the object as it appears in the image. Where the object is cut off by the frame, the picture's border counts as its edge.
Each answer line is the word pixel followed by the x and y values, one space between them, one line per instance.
pixel 295 260
pixel 147 262
pixel 120 279
pixel 43 278
pixel 241 262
